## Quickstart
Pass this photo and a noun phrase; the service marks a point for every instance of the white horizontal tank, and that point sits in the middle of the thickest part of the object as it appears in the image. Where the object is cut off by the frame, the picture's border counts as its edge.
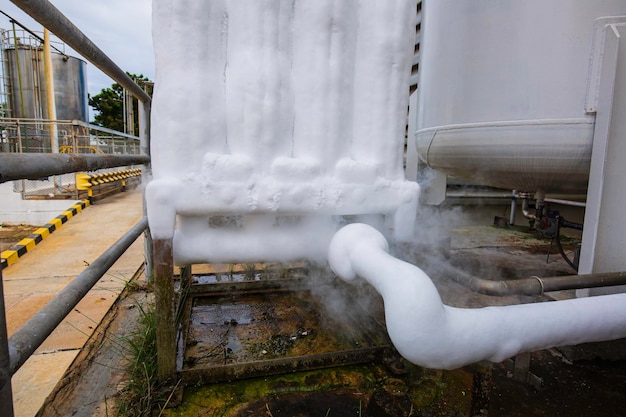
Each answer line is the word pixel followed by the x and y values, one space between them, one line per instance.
pixel 502 91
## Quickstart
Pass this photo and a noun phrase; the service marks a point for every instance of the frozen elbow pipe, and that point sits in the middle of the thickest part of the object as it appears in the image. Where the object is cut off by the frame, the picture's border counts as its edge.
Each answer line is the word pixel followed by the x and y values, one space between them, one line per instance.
pixel 431 334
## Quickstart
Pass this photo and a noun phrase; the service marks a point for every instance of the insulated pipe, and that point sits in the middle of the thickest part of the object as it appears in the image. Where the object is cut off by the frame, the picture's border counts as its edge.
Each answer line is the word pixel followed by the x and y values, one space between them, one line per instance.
pixel 34 166
pixel 430 334
pixel 50 17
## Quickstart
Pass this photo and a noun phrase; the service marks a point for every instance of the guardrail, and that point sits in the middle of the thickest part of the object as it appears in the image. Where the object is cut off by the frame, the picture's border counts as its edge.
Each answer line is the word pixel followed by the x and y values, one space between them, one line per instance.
pixel 87 182
pixel 72 137
pixel 63 136
pixel 15 351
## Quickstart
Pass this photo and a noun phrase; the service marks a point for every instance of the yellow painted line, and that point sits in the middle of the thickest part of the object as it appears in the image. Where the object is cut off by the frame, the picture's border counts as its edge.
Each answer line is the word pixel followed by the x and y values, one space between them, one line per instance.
pixel 56 222
pixel 28 242
pixel 43 232
pixel 68 214
pixel 78 208
pixel 10 255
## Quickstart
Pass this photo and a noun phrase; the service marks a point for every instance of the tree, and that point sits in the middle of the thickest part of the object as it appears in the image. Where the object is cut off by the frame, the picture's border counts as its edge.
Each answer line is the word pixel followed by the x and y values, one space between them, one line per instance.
pixel 108 105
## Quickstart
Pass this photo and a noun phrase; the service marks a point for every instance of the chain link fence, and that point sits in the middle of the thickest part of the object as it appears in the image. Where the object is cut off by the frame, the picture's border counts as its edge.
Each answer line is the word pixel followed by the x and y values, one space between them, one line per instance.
pixel 61 136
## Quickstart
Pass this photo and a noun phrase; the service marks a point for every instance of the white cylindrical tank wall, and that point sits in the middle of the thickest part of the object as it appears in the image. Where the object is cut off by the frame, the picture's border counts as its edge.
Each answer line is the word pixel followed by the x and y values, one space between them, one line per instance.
pixel 502 91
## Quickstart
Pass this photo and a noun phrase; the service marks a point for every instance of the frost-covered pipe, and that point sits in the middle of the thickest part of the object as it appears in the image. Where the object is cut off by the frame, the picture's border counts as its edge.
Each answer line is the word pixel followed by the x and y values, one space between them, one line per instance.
pixel 431 334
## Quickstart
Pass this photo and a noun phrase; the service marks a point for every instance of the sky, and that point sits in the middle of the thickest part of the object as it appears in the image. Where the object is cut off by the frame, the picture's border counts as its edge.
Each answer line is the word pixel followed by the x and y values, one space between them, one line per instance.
pixel 120 28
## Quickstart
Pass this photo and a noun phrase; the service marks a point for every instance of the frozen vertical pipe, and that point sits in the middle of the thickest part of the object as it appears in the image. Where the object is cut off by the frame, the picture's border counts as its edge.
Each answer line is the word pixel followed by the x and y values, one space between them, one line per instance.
pixel 189 44
pixel 383 64
pixel 325 35
pixel 429 333
pixel 239 81
pixel 311 40
pixel 285 53
pixel 253 78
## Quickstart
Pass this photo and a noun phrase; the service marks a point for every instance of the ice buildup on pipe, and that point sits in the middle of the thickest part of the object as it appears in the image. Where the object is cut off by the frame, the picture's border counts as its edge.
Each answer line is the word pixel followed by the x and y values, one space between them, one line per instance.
pixel 277 108
pixel 431 334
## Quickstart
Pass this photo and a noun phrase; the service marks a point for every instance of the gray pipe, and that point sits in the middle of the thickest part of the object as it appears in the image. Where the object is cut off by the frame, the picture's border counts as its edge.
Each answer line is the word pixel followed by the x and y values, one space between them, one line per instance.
pixel 33 166
pixel 525 210
pixel 33 333
pixel 537 285
pixel 50 17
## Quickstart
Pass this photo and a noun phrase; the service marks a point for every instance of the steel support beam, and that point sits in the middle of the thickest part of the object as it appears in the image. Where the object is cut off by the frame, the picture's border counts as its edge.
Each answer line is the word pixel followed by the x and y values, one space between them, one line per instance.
pixel 34 332
pixel 50 17
pixel 34 166
pixel 165 311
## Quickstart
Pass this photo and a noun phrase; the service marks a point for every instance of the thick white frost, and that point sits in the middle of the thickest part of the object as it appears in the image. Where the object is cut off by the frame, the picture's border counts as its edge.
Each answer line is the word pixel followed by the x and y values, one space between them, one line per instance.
pixel 431 334
pixel 277 107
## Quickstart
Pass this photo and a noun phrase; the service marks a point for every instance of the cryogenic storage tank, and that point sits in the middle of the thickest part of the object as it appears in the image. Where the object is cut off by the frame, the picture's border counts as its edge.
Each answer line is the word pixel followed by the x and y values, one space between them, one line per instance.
pixel 26 84
pixel 502 91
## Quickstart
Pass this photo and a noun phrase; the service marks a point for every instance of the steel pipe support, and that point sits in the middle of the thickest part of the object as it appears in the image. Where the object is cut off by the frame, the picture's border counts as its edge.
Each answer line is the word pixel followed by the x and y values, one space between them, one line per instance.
pixel 34 166
pixel 50 17
pixel 33 333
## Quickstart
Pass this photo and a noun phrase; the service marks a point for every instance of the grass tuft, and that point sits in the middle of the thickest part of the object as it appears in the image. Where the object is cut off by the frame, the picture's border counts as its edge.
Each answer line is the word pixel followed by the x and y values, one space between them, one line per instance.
pixel 143 393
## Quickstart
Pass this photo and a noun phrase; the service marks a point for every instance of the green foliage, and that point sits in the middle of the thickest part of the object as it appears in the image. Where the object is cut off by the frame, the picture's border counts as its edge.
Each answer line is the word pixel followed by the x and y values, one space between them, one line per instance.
pixel 109 108
pixel 143 394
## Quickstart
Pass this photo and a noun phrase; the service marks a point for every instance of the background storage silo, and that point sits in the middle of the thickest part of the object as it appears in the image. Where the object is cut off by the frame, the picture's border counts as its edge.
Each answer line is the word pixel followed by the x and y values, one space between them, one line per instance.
pixel 26 84
pixel 502 91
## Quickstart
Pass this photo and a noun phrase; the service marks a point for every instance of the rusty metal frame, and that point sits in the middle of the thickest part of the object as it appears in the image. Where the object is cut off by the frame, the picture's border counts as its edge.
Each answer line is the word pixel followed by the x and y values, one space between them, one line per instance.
pixel 228 372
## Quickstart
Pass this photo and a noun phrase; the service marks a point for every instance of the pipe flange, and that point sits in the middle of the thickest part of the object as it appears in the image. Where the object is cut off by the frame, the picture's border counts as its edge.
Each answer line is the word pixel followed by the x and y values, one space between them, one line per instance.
pixel 540 284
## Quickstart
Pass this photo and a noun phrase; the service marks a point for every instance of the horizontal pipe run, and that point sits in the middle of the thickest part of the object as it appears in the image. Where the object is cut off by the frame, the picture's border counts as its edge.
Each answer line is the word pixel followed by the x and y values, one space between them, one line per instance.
pixel 537 285
pixel 478 194
pixel 565 202
pixel 34 166
pixel 429 333
pixel 34 332
pixel 51 18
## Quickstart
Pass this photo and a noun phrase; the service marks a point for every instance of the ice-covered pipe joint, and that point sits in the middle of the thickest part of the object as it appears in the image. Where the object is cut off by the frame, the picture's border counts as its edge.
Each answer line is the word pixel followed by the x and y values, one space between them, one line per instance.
pixel 272 117
pixel 431 334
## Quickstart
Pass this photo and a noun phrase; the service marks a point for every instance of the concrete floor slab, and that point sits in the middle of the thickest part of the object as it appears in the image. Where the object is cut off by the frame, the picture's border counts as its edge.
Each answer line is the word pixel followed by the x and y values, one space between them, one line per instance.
pixel 22 311
pixel 38 375
pixel 37 276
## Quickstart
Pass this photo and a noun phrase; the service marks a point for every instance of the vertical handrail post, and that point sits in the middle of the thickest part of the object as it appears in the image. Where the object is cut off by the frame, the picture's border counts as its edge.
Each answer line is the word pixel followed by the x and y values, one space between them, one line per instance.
pixel 6 393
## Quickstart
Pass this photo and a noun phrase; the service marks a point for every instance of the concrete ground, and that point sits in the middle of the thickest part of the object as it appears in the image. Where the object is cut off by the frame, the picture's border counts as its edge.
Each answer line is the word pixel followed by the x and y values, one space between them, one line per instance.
pixel 38 275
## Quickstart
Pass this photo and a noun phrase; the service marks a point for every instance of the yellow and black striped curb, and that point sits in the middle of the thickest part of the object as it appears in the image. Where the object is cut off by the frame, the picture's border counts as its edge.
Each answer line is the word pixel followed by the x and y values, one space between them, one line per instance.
pixel 11 255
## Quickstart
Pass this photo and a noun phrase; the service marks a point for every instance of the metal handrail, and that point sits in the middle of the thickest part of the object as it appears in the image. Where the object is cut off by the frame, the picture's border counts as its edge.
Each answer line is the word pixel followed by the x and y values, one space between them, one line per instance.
pixel 14 352
pixel 34 332
pixel 32 166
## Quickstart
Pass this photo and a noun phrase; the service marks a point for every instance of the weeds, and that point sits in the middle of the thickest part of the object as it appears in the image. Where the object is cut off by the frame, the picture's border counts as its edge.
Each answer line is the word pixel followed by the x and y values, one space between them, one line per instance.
pixel 143 393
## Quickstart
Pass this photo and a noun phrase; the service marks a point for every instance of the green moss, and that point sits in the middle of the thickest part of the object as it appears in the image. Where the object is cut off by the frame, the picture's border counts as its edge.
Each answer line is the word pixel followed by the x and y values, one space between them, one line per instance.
pixel 223 398
pixel 434 392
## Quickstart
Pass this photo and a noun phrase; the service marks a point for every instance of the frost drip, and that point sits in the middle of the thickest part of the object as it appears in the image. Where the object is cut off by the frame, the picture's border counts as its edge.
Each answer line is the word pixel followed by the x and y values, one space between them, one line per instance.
pixel 274 108
pixel 439 336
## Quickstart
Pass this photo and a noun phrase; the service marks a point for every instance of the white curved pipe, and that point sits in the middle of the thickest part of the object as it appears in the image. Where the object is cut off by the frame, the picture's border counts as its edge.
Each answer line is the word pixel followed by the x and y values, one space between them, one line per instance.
pixel 431 334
